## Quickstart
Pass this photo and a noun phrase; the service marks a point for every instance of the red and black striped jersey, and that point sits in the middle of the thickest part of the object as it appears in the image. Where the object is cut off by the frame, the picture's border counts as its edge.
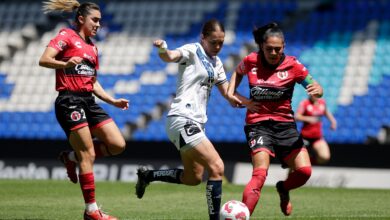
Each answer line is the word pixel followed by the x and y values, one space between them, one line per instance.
pixel 273 88
pixel 81 77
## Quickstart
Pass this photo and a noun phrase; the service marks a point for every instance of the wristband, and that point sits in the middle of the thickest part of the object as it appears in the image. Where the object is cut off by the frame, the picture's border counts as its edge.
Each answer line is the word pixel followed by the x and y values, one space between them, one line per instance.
pixel 163 48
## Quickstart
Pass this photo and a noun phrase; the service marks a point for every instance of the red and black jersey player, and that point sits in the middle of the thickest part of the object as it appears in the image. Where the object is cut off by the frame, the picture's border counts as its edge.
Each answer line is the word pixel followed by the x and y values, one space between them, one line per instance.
pixel 270 126
pixel 75 59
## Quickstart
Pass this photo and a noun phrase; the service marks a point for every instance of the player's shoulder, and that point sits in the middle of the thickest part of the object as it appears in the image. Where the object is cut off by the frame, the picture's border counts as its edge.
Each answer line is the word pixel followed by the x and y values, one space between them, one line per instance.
pixel 291 61
pixel 251 58
pixel 66 32
pixel 189 46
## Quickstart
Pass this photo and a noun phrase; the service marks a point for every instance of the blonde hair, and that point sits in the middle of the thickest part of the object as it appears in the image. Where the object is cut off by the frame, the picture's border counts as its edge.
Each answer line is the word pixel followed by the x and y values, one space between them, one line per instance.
pixel 60 5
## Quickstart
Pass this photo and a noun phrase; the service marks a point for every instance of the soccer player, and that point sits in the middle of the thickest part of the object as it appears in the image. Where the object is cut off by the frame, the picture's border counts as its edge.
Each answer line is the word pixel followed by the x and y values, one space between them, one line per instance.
pixel 199 70
pixel 270 127
pixel 74 57
pixel 310 112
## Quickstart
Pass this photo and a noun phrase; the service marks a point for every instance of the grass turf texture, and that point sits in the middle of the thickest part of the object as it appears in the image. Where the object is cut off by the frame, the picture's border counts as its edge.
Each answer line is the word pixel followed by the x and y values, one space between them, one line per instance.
pixel 36 199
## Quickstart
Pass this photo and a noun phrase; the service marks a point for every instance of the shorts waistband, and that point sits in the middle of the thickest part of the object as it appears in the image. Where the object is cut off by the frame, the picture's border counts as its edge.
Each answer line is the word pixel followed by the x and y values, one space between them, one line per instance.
pixel 82 94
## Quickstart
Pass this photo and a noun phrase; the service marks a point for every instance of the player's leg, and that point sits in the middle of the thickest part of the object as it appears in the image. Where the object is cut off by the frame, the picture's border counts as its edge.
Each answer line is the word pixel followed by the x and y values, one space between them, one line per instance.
pixel 300 171
pixel 322 151
pixel 194 159
pixel 82 144
pixel 252 191
pixel 111 141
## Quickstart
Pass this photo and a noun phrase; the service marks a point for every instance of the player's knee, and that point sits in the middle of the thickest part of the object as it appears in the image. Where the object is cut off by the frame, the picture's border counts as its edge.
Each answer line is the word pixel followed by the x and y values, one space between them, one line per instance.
pixel 304 172
pixel 323 159
pixel 117 147
pixel 217 169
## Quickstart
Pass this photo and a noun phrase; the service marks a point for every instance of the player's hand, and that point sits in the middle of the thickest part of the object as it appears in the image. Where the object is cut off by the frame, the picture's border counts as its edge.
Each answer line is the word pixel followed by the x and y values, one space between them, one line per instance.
pixel 121 103
pixel 333 126
pixel 159 43
pixel 314 90
pixel 253 106
pixel 234 101
pixel 73 61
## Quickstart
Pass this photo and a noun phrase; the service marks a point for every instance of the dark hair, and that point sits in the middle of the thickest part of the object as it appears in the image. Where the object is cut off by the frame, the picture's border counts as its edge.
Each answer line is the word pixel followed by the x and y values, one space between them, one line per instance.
pixel 262 33
pixel 84 10
pixel 211 26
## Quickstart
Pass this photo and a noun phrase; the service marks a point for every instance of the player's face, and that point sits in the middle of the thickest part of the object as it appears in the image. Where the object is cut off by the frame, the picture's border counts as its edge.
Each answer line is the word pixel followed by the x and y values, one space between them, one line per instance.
pixel 91 23
pixel 213 43
pixel 273 49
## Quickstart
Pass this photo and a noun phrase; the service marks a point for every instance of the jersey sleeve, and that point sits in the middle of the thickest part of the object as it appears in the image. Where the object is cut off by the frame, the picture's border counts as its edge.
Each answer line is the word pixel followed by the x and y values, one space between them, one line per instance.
pixel 242 68
pixel 61 41
pixel 185 52
pixel 221 77
pixel 301 72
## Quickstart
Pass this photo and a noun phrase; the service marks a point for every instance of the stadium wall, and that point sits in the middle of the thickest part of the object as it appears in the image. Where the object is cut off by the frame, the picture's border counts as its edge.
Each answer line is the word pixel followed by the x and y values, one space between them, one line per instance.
pixel 354 166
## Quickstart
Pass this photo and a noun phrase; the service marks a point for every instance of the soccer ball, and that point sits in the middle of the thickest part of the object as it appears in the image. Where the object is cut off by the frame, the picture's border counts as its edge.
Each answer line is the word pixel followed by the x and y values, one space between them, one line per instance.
pixel 234 210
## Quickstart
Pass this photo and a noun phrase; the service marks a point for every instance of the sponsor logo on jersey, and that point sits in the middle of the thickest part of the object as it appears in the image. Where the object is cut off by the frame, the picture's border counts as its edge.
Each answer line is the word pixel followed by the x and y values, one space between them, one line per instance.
pixel 254 70
pixel 78 44
pixel 84 69
pixel 259 93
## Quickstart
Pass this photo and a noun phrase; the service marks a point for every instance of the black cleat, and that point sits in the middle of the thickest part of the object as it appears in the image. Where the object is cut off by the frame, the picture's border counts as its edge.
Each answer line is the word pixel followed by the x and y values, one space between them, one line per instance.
pixel 142 182
pixel 285 204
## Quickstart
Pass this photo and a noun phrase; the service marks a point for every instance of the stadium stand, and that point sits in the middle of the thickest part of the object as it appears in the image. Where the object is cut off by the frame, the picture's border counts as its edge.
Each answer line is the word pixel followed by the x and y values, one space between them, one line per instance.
pixel 343 43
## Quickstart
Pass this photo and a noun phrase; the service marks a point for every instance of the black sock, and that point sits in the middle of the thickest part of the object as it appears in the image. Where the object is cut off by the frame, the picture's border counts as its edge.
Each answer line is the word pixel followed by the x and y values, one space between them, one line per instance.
pixel 170 176
pixel 213 195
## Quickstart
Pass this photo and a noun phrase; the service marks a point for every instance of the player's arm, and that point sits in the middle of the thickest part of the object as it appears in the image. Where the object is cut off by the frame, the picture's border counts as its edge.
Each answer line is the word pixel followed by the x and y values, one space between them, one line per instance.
pixel 299 116
pixel 313 88
pixel 48 60
pixel 166 54
pixel 103 95
pixel 331 118
pixel 235 81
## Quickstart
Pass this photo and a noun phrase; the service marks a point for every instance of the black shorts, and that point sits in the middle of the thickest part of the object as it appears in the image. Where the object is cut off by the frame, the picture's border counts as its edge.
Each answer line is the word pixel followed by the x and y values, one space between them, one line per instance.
pixel 279 139
pixel 77 110
pixel 310 141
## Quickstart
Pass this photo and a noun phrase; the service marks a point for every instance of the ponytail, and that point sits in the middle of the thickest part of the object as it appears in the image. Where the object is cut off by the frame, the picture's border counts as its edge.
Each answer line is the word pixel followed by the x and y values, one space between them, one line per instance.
pixel 262 33
pixel 70 6
pixel 60 5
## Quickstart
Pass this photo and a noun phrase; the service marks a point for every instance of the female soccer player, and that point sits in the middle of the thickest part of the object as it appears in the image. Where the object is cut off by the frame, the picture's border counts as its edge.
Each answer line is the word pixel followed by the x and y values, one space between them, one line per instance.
pixel 270 127
pixel 310 112
pixel 199 70
pixel 75 59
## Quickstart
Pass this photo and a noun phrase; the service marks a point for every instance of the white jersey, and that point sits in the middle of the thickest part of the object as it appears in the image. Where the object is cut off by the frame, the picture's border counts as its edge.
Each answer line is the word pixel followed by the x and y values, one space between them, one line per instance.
pixel 197 75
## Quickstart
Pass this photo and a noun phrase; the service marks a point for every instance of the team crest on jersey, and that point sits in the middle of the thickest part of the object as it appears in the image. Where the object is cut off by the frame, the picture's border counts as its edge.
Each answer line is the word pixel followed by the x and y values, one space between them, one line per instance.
pixel 282 74
pixel 61 44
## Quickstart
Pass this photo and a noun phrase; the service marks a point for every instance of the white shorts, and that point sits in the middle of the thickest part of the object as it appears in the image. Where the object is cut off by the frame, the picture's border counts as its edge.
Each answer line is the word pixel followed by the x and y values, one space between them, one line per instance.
pixel 184 133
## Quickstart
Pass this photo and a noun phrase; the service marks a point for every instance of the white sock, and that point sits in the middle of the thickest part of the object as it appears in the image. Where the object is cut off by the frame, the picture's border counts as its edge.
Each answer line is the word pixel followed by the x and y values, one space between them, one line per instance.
pixel 72 157
pixel 90 207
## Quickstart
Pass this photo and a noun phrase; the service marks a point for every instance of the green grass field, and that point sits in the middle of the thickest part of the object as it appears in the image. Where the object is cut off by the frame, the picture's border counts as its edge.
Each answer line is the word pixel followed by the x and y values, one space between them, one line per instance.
pixel 26 199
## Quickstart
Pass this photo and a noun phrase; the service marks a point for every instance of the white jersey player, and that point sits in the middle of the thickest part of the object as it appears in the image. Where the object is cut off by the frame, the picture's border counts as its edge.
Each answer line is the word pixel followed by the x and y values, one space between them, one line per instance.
pixel 199 70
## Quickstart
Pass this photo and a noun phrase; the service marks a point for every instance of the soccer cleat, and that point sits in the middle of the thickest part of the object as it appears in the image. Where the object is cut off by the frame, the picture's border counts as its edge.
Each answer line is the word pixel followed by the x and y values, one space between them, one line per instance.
pixel 98 215
pixel 142 183
pixel 285 204
pixel 69 165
